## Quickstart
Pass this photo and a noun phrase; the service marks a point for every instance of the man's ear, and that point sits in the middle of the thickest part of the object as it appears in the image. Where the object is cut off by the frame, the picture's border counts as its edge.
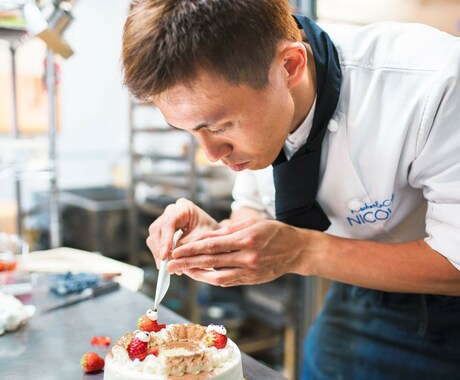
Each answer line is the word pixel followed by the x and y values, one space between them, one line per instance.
pixel 295 62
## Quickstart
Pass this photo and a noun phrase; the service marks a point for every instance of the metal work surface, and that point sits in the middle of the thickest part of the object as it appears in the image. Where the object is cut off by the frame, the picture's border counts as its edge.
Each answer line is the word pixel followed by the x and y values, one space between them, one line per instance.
pixel 50 346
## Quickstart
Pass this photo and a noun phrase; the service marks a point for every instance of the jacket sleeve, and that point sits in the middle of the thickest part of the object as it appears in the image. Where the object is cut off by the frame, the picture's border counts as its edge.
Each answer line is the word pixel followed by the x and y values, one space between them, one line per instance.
pixel 246 192
pixel 436 168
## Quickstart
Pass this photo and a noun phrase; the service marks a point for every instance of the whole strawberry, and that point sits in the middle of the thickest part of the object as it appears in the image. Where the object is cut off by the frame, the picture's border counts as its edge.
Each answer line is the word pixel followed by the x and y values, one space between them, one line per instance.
pixel 137 348
pixel 148 322
pixel 216 336
pixel 91 362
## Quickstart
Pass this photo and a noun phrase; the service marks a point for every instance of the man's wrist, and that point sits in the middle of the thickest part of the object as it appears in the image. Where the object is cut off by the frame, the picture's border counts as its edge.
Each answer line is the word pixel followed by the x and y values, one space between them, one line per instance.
pixel 313 249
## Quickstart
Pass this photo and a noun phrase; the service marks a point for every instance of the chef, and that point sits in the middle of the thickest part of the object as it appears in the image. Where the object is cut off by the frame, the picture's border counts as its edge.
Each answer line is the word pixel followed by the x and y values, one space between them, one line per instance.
pixel 346 145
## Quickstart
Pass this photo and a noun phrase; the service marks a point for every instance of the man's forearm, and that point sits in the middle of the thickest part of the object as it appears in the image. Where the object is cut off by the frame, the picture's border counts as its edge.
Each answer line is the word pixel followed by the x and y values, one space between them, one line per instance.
pixel 400 267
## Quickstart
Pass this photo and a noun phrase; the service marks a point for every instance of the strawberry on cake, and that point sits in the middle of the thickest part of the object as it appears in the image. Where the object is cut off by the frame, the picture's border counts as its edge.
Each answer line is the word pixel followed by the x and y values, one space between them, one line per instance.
pixel 174 352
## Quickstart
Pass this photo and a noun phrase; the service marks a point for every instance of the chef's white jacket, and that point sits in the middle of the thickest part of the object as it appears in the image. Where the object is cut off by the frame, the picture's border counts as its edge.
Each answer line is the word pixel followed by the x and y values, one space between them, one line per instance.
pixel 390 167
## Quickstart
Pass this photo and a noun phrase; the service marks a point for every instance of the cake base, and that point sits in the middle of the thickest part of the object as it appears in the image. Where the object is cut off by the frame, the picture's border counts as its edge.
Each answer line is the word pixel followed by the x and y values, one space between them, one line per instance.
pixel 181 356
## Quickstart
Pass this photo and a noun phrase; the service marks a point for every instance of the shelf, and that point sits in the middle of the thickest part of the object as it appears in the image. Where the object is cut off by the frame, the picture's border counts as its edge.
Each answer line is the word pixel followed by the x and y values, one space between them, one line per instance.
pixel 151 209
pixel 154 156
pixel 174 181
pixel 30 174
pixel 12 34
pixel 156 130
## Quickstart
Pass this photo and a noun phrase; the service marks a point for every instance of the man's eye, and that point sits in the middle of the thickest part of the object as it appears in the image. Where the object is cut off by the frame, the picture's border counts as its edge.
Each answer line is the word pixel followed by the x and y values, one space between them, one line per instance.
pixel 220 131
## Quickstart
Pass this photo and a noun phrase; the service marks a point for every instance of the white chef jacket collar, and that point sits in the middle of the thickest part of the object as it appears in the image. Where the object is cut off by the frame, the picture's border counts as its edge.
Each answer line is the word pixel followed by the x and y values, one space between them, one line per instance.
pixel 298 138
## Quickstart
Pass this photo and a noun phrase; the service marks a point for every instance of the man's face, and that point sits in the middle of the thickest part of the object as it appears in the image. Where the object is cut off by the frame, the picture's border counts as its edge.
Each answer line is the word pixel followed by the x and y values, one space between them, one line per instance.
pixel 243 127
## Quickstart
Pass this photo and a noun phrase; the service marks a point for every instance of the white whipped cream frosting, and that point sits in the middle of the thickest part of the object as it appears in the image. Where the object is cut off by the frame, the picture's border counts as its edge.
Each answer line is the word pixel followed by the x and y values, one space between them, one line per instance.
pixel 143 336
pixel 152 314
pixel 220 329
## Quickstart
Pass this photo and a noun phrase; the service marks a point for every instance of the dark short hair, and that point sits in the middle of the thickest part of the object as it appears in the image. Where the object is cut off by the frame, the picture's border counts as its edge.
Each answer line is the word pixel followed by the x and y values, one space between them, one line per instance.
pixel 165 42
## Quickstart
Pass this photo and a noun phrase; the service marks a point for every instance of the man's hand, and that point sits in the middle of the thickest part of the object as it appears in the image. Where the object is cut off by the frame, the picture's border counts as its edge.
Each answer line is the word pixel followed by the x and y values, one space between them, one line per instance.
pixel 183 215
pixel 244 252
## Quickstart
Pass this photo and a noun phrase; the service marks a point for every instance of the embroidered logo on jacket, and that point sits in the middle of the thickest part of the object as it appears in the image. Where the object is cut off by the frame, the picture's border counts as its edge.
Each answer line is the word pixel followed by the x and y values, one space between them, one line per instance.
pixel 371 213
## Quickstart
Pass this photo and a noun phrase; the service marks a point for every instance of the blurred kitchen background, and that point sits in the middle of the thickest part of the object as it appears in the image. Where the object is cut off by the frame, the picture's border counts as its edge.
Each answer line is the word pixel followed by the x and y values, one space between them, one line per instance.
pixel 85 166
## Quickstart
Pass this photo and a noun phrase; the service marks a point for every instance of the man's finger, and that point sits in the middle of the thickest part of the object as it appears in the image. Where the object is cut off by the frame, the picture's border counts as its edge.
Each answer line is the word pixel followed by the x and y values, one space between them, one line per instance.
pixel 224 277
pixel 214 245
pixel 227 229
pixel 167 233
pixel 223 260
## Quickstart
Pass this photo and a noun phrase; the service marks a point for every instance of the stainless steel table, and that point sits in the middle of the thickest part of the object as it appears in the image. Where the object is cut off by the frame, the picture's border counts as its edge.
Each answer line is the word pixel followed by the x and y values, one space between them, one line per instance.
pixel 50 346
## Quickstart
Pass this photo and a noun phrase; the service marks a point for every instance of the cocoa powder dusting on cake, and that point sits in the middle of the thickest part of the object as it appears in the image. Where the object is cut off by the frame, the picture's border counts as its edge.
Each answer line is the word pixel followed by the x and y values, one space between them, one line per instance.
pixel 192 332
pixel 122 342
pixel 189 346
pixel 196 332
pixel 189 376
pixel 154 341
pixel 125 340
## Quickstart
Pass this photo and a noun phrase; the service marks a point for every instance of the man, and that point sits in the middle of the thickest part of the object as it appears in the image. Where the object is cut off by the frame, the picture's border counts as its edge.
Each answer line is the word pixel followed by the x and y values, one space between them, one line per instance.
pixel 351 140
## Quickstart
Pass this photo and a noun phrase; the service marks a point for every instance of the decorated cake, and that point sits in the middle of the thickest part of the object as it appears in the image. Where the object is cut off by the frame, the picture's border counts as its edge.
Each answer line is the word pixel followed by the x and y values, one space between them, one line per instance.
pixel 174 352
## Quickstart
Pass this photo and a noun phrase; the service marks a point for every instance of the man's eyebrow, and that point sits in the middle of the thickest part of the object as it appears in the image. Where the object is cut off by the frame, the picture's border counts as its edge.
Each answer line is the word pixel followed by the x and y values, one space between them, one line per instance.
pixel 196 129
pixel 215 119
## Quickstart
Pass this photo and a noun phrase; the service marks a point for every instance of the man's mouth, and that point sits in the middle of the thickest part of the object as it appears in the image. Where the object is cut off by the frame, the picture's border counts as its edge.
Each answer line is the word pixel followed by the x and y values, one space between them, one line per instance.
pixel 238 167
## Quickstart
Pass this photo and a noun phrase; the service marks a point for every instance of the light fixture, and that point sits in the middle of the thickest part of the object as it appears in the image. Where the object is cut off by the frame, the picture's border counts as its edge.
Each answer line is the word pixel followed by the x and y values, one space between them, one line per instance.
pixel 47 23
pixel 50 30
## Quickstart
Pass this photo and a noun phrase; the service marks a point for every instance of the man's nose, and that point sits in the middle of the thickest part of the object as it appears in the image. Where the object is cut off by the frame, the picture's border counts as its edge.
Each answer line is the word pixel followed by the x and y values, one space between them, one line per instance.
pixel 215 151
